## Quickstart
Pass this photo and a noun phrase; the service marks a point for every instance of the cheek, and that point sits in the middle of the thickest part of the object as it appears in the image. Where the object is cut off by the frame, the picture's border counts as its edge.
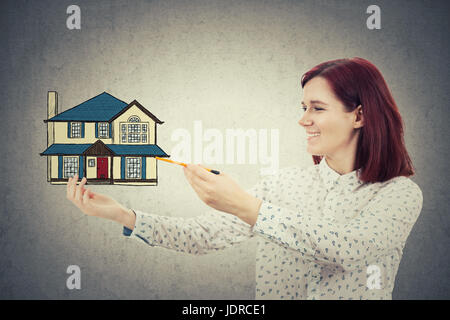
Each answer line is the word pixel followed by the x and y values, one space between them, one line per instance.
pixel 341 133
pixel 327 125
pixel 333 128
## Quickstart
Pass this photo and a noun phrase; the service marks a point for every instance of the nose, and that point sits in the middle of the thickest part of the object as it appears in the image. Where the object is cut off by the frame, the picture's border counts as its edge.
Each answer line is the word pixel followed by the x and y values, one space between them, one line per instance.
pixel 305 120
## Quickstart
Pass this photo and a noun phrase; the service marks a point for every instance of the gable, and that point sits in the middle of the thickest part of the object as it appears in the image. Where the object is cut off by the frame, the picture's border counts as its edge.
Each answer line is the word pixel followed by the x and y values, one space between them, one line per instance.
pixel 135 111
pixel 98 148
pixel 136 105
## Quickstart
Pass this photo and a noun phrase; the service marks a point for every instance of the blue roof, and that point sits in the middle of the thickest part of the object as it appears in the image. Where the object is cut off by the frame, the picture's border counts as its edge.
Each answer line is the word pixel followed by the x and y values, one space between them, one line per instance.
pixel 99 108
pixel 117 149
pixel 63 148
pixel 146 149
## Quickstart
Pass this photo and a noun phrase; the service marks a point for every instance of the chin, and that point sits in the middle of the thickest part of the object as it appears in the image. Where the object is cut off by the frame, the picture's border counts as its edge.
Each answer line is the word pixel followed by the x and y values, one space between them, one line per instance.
pixel 314 152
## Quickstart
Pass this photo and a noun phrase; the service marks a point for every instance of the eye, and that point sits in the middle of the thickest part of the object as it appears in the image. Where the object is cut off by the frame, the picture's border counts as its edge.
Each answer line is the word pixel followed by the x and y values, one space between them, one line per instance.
pixel 315 108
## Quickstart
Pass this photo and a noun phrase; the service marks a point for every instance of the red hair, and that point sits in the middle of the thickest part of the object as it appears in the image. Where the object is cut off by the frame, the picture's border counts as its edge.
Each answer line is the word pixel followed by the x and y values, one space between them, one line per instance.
pixel 381 153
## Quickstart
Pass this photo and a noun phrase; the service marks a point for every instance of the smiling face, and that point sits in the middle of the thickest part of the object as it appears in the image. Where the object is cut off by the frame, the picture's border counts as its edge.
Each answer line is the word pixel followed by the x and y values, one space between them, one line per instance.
pixel 324 114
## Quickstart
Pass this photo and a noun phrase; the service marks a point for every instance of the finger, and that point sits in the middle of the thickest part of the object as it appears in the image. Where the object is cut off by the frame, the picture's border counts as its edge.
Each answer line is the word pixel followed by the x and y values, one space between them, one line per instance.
pixel 79 192
pixel 93 195
pixel 86 197
pixel 188 173
pixel 68 187
pixel 199 191
pixel 200 172
pixel 88 208
pixel 188 176
pixel 73 184
pixel 191 176
pixel 203 185
pixel 200 186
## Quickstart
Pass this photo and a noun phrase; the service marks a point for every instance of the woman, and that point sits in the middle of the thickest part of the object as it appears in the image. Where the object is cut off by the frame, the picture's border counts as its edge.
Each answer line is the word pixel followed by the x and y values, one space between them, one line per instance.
pixel 335 230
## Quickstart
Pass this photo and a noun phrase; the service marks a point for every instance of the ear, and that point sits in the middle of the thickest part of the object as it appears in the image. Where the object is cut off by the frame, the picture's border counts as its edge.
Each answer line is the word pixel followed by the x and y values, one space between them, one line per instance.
pixel 359 117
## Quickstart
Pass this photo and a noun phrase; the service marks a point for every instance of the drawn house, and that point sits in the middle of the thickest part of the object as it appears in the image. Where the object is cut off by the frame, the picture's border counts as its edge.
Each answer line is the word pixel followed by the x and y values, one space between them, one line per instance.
pixel 104 139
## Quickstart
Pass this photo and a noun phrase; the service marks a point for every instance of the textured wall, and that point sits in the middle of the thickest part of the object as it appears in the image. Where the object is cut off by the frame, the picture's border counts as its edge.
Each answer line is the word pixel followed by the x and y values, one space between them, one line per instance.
pixel 227 63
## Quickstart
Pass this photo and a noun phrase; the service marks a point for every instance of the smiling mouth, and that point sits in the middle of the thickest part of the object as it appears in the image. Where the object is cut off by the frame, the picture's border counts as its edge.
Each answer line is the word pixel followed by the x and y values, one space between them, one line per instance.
pixel 312 136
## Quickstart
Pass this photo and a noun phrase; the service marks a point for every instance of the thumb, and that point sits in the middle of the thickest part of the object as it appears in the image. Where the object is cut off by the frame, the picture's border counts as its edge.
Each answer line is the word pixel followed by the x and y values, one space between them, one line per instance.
pixel 91 194
pixel 86 196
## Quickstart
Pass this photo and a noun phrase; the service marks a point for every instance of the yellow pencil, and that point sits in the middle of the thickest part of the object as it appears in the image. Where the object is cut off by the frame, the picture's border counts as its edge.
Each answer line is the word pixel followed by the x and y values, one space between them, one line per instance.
pixel 184 164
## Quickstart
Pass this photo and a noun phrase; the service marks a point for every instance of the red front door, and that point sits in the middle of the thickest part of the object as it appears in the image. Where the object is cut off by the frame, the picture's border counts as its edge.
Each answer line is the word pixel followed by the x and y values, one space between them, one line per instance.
pixel 102 168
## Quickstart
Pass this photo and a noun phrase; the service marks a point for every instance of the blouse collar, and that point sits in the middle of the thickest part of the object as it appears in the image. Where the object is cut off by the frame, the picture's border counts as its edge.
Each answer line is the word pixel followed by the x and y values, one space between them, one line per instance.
pixel 349 181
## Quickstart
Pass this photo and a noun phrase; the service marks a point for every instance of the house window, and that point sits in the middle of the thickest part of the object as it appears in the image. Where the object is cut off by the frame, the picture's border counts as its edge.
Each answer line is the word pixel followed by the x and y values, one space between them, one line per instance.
pixel 134 128
pixel 75 129
pixel 91 163
pixel 133 168
pixel 70 166
pixel 134 119
pixel 103 130
pixel 134 132
pixel 134 137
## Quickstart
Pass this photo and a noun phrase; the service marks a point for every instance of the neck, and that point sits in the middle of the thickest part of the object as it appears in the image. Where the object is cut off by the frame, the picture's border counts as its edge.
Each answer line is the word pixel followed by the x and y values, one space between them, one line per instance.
pixel 343 161
pixel 341 165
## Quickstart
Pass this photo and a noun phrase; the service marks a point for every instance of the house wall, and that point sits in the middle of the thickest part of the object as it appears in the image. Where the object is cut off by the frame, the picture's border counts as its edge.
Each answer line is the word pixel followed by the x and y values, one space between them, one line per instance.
pixel 54 167
pixel 116 168
pixel 151 168
pixel 89 134
pixel 91 172
pixel 134 111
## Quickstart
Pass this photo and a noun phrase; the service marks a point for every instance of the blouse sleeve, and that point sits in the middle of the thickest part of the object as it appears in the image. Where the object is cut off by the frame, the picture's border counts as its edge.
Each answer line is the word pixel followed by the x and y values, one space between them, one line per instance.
pixel 198 235
pixel 384 224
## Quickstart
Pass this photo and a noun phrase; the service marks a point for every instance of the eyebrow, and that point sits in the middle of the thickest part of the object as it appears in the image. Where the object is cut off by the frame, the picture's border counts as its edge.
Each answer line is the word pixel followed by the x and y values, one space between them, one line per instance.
pixel 316 102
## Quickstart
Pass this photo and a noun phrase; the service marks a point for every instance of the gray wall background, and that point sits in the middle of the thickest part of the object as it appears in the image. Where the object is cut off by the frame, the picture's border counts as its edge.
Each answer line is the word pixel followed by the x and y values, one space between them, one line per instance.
pixel 230 64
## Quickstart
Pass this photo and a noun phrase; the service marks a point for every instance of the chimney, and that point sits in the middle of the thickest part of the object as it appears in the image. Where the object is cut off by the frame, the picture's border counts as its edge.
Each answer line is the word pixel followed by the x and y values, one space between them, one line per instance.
pixel 52 110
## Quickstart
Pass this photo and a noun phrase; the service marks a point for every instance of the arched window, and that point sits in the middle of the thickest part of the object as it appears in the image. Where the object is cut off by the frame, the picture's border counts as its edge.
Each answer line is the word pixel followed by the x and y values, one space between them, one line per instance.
pixel 134 119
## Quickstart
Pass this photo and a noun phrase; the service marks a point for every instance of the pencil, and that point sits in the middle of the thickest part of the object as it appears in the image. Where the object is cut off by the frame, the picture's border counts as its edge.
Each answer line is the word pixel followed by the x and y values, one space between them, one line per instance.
pixel 184 164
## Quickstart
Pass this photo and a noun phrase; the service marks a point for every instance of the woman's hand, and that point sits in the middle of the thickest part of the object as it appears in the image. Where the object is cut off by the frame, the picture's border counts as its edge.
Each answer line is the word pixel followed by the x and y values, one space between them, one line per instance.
pixel 222 193
pixel 99 205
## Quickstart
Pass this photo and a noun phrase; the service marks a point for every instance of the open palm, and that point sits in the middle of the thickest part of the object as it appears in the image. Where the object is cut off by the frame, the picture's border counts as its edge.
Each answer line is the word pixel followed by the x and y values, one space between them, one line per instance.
pixel 92 203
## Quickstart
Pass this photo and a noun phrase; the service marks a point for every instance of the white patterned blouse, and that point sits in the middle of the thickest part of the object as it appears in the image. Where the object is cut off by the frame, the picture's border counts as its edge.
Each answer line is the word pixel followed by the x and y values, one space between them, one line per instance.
pixel 321 235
